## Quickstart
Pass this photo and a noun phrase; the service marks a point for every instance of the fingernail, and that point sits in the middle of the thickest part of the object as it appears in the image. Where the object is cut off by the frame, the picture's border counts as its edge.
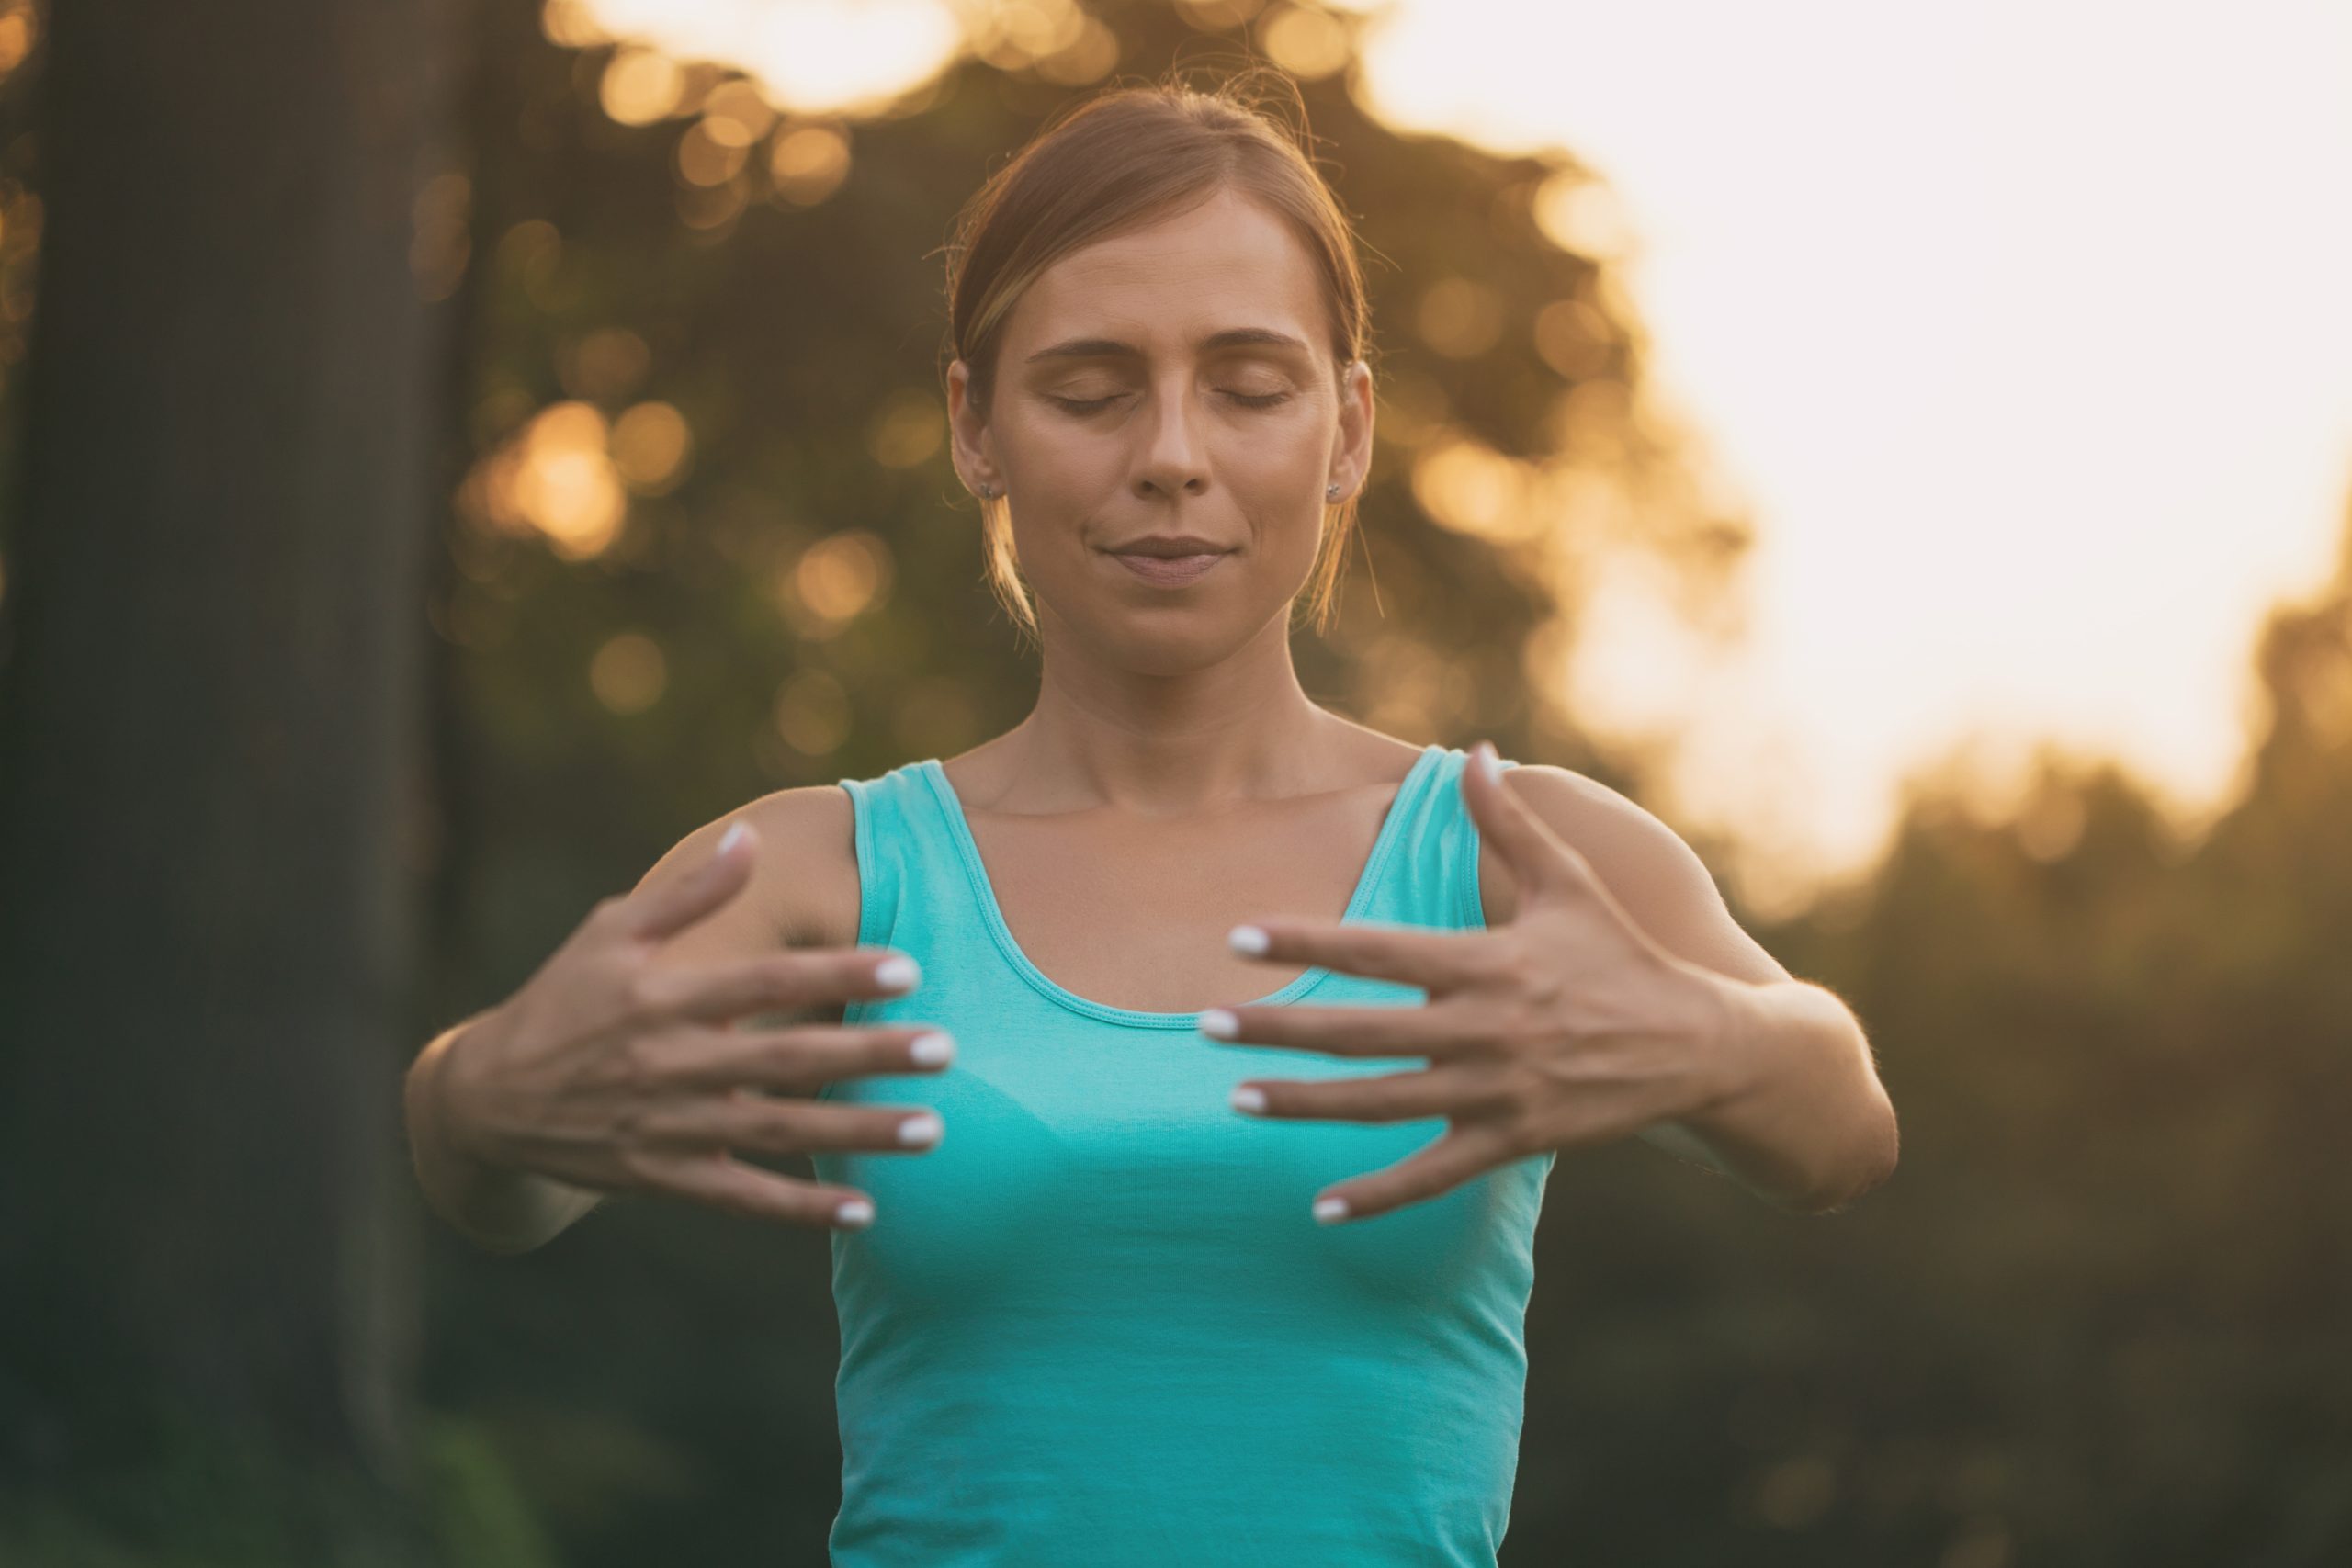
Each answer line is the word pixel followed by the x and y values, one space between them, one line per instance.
pixel 730 838
pixel 922 1129
pixel 854 1212
pixel 1488 760
pixel 900 973
pixel 1219 1024
pixel 1246 939
pixel 932 1049
pixel 1327 1209
pixel 1246 1098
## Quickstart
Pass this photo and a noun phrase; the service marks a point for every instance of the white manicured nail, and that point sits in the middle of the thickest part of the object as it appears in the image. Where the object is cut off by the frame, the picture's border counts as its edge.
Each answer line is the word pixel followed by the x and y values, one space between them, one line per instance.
pixel 1246 1098
pixel 1246 939
pixel 1219 1024
pixel 898 973
pixel 919 1129
pixel 1326 1210
pixel 854 1212
pixel 1489 761
pixel 932 1049
pixel 730 838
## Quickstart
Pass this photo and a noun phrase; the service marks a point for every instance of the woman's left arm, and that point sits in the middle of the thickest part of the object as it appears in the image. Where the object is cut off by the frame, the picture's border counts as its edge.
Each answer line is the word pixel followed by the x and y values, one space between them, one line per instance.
pixel 1796 1113
pixel 1610 993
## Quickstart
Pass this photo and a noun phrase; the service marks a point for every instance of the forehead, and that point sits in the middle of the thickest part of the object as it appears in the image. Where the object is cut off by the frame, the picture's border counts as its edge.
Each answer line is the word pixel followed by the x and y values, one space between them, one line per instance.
pixel 1225 264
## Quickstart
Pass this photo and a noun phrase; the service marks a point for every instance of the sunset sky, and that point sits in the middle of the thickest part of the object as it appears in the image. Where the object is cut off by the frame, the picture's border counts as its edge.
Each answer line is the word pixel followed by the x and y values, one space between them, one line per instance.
pixel 2020 329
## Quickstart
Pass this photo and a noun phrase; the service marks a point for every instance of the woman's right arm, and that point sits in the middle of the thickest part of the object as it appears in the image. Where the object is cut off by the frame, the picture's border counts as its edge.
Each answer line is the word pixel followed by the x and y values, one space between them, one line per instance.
pixel 625 1064
pixel 495 1207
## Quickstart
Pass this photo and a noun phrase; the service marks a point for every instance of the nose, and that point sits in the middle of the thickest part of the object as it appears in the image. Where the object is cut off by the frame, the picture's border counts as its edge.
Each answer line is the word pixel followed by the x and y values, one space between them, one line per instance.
pixel 1174 460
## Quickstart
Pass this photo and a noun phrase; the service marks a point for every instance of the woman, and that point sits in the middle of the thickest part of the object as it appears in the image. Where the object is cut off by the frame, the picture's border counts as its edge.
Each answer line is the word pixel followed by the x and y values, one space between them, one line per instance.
pixel 1096 1321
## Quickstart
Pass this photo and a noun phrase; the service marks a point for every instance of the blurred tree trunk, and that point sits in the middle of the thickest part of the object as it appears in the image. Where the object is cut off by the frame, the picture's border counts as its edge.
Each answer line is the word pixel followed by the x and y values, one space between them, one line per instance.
pixel 212 824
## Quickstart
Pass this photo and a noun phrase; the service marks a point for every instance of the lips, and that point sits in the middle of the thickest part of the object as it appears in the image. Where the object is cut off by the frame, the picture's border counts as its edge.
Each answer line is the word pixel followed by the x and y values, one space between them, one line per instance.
pixel 1170 571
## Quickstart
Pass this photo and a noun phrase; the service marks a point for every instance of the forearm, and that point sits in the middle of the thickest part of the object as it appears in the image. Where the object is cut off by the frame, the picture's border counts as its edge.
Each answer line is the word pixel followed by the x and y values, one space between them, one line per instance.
pixel 497 1208
pixel 1803 1121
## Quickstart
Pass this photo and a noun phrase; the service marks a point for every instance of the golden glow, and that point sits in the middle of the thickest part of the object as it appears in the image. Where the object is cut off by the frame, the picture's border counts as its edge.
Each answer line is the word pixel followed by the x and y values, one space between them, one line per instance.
pixel 1459 318
pixel 712 209
pixel 1594 420
pixel 607 363
pixel 1412 409
pixel 642 86
pixel 1582 216
pixel 571 23
pixel 907 428
pixel 704 160
pixel 16 36
pixel 1089 58
pixel 554 478
pixel 836 579
pixel 628 673
pixel 1870 284
pixel 812 713
pixel 1216 16
pixel 1306 43
pixel 851 57
pixel 735 115
pixel 1574 338
pixel 1467 486
pixel 809 164
pixel 649 444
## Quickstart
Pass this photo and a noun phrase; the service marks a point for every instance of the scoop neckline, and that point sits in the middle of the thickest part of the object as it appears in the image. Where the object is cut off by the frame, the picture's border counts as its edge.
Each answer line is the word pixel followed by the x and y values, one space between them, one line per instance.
pixel 976 870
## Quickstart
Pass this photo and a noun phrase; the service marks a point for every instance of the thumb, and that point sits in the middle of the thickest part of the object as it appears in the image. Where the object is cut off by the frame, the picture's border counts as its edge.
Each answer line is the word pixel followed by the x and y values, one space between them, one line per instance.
pixel 677 893
pixel 1525 841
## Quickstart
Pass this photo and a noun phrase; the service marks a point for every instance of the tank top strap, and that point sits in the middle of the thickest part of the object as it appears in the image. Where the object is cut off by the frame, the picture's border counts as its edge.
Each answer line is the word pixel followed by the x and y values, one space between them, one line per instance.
pixel 1431 879
pixel 908 871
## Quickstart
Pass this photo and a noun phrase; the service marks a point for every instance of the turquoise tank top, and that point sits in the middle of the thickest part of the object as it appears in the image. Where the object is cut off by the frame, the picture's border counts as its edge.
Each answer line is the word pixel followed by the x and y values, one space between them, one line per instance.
pixel 1098 1324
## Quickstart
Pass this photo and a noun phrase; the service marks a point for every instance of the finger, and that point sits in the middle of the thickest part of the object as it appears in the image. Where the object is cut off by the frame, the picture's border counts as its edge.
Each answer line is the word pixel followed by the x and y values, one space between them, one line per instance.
pixel 741 1189
pixel 1385 1097
pixel 774 982
pixel 1538 857
pixel 1466 1150
pixel 1436 961
pixel 663 906
pixel 770 1125
pixel 804 1058
pixel 1434 1030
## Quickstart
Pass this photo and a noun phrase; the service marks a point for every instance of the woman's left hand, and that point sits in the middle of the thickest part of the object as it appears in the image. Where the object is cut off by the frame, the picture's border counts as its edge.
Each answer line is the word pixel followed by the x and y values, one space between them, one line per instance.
pixel 1570 1026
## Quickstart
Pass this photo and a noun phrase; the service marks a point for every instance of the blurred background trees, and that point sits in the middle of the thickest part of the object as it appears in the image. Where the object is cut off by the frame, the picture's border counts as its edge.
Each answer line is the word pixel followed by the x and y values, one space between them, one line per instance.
pixel 664 504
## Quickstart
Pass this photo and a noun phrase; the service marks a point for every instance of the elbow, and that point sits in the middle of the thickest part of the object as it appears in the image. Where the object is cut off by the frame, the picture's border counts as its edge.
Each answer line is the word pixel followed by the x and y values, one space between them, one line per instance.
pixel 1859 1177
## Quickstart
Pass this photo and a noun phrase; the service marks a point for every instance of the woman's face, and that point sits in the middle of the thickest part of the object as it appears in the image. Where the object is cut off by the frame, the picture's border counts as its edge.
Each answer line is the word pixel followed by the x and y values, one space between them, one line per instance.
pixel 1175 380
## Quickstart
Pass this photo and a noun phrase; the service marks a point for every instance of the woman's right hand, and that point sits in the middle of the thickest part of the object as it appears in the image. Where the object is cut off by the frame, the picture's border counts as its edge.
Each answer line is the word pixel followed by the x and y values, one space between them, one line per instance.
pixel 616 1070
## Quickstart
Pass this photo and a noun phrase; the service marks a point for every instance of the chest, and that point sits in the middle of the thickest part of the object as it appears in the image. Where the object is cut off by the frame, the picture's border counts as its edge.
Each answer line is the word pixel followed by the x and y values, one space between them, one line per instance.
pixel 1137 917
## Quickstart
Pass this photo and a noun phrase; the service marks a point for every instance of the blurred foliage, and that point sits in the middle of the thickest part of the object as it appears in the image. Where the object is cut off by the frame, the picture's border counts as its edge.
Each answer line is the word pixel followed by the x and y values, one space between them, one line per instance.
pixel 705 543
pixel 213 1499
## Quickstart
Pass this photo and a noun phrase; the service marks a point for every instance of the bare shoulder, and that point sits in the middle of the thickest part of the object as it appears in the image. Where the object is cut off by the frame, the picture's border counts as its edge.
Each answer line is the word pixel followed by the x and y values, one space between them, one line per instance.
pixel 804 887
pixel 1654 875
pixel 809 855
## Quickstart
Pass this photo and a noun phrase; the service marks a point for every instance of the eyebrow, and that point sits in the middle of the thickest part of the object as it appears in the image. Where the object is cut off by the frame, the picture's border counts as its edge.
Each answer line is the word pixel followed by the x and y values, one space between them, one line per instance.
pixel 1111 348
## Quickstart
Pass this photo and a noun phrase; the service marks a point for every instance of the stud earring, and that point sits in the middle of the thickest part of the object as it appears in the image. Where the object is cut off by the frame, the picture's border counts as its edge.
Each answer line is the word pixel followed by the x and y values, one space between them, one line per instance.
pixel 1331 492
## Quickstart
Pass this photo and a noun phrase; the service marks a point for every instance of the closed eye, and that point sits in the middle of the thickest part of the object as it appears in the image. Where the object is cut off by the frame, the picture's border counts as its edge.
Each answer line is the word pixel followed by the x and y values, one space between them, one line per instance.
pixel 1246 399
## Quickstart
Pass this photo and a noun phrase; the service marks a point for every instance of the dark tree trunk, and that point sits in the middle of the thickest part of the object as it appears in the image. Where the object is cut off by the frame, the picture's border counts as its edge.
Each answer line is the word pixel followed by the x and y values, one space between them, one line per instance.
pixel 212 822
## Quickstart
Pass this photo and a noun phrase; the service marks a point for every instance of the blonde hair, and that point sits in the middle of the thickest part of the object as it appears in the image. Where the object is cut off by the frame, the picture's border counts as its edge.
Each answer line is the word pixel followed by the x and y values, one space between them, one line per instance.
pixel 1127 157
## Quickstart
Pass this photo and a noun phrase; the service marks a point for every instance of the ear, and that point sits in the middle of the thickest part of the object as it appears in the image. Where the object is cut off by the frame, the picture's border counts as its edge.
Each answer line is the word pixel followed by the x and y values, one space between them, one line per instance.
pixel 967 433
pixel 1352 455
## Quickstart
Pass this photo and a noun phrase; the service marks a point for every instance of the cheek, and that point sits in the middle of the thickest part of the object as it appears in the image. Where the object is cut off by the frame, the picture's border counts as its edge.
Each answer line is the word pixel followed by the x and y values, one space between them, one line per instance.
pixel 1056 457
